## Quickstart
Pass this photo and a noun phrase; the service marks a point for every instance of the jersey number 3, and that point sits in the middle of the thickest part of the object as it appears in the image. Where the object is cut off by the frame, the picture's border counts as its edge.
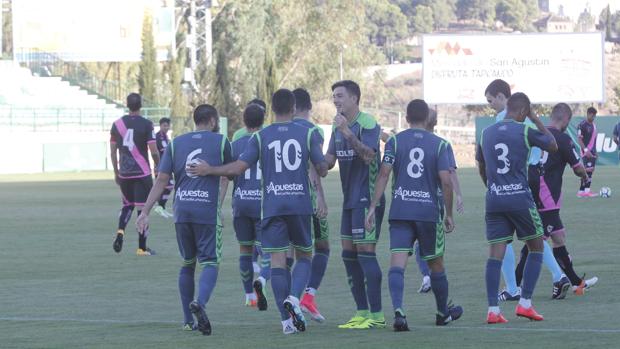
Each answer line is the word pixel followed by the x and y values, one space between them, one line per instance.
pixel 503 157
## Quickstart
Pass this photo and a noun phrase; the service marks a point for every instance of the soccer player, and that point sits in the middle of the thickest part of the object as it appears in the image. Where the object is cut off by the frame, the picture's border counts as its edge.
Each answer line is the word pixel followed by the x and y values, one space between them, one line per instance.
pixel 586 136
pixel 132 136
pixel 355 144
pixel 284 149
pixel 421 165
pixel 549 198
pixel 161 139
pixel 196 210
pixel 497 94
pixel 243 131
pixel 502 156
pixel 303 108
pixel 246 213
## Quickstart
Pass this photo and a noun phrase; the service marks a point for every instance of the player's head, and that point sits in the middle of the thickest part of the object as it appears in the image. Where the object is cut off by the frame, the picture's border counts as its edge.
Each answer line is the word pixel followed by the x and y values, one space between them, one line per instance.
pixel 417 112
pixel 591 113
pixel 134 102
pixel 303 103
pixel 431 122
pixel 346 95
pixel 259 102
pixel 518 107
pixel 283 103
pixel 253 116
pixel 164 125
pixel 206 116
pixel 497 93
pixel 561 115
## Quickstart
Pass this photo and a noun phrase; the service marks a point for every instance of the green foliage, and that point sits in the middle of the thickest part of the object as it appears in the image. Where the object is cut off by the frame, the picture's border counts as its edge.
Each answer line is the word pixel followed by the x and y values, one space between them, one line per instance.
pixel 148 71
pixel 7 34
pixel 517 14
pixel 482 10
pixel 422 21
pixel 385 21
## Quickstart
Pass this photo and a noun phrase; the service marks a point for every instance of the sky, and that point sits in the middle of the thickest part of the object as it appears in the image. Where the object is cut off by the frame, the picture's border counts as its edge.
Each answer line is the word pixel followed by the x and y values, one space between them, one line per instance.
pixel 573 8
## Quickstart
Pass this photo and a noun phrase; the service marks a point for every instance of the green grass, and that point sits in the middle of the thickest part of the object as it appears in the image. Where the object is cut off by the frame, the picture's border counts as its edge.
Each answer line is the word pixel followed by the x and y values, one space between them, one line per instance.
pixel 62 286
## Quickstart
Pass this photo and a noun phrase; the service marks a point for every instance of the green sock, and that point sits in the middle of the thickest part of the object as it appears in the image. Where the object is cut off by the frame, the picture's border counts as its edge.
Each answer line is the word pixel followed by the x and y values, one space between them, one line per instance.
pixel 363 313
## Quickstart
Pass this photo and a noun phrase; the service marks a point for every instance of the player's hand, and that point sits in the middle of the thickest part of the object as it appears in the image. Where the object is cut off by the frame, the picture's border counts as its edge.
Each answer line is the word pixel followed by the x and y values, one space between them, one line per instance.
pixel 460 208
pixel 341 122
pixel 198 167
pixel 448 224
pixel 370 219
pixel 142 222
pixel 321 208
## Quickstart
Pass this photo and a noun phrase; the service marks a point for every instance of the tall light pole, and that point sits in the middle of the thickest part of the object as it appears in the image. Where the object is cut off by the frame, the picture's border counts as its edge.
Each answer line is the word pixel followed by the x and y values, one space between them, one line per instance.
pixel 342 48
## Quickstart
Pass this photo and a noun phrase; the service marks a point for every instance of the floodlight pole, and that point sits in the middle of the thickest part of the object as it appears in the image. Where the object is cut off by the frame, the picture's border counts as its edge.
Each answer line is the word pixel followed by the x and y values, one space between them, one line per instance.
pixel 208 34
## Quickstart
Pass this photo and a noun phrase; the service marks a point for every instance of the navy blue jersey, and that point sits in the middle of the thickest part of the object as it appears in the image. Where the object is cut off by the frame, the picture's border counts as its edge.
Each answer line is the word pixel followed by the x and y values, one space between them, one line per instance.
pixel 162 141
pixel 247 187
pixel 587 132
pixel 196 199
pixel 284 149
pixel 549 196
pixel 132 134
pixel 505 149
pixel 358 179
pixel 310 124
pixel 417 156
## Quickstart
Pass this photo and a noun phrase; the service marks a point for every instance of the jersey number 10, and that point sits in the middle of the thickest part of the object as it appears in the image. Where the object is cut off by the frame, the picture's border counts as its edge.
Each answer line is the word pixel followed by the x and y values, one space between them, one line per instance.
pixel 279 158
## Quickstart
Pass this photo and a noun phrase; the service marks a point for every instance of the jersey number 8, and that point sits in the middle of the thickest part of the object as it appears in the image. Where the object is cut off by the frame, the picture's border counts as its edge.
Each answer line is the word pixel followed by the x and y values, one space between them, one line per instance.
pixel 415 167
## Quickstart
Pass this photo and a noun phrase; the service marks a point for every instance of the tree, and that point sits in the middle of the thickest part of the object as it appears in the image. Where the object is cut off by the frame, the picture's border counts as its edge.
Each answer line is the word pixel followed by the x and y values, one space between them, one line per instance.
pixel 422 21
pixel 443 12
pixel 7 33
pixel 482 10
pixel 605 22
pixel 517 14
pixel 147 74
pixel 386 21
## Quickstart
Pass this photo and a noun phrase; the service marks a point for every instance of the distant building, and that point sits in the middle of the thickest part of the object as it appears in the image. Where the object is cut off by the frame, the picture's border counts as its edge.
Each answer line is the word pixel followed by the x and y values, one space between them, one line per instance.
pixel 552 23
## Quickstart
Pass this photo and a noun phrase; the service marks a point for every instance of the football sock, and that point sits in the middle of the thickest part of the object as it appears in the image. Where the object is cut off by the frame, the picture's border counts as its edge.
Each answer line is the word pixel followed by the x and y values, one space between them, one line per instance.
pixel 186 290
pixel 531 274
pixel 396 284
pixel 124 216
pixel 519 271
pixel 246 271
pixel 589 182
pixel 439 285
pixel 319 265
pixel 265 266
pixel 422 265
pixel 355 276
pixel 142 237
pixel 372 272
pixel 255 253
pixel 206 284
pixel 289 263
pixel 508 270
pixel 280 287
pixel 300 276
pixel 551 263
pixel 566 262
pixel 492 276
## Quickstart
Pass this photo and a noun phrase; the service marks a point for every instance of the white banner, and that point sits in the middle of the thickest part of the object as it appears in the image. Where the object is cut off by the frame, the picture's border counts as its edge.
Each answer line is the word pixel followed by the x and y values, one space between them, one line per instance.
pixel 549 68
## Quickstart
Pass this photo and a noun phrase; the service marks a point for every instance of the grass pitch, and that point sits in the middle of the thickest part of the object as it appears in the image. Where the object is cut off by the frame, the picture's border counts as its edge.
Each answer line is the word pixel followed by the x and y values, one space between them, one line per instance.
pixel 62 286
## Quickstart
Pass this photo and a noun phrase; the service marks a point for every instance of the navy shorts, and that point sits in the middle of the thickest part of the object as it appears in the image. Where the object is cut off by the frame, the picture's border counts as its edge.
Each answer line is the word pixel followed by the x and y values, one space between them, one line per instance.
pixel 430 237
pixel 199 242
pixel 551 222
pixel 352 225
pixel 320 228
pixel 278 233
pixel 247 230
pixel 589 163
pixel 135 190
pixel 502 225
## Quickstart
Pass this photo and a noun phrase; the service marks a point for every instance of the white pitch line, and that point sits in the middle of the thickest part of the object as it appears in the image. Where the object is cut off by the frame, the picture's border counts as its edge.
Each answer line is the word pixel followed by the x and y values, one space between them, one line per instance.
pixel 228 323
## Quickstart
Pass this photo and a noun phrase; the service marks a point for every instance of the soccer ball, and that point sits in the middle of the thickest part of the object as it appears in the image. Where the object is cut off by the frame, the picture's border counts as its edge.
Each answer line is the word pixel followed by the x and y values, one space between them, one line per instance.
pixel 605 192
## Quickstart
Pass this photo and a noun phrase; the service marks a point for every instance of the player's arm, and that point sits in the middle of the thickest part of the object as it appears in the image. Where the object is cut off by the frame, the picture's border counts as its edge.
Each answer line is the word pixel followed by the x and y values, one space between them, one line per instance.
pixel 321 204
pixel 162 180
pixel 549 144
pixel 316 153
pixel 446 188
pixel 482 170
pixel 114 159
pixel 223 189
pixel 454 179
pixel 202 168
pixel 584 149
pixel 380 184
pixel 364 152
pixel 330 156
pixel 154 154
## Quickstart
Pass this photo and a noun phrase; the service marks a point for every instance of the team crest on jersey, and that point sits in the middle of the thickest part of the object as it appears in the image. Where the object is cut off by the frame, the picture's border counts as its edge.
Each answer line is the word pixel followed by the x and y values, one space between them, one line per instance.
pixel 503 128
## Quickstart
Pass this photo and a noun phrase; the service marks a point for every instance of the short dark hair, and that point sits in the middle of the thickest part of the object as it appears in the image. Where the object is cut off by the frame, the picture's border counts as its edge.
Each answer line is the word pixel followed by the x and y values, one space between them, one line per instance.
pixel 134 102
pixel 164 120
pixel 498 86
pixel 351 86
pixel 283 101
pixel 517 102
pixel 258 101
pixel 592 111
pixel 204 113
pixel 417 111
pixel 253 116
pixel 302 99
pixel 560 110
